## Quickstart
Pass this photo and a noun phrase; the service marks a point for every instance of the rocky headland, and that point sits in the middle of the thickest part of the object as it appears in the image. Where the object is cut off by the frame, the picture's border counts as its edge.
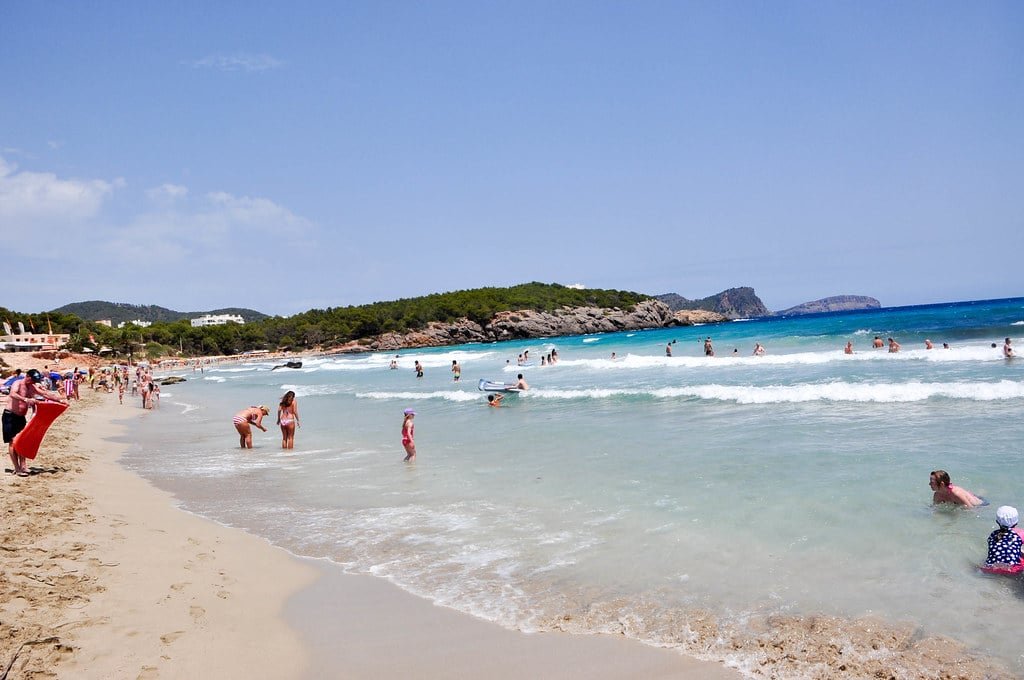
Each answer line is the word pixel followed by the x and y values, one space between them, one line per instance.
pixel 525 323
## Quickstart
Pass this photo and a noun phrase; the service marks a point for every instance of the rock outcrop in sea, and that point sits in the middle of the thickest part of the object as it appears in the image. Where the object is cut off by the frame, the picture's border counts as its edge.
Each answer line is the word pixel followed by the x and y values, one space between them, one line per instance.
pixel 523 324
pixel 734 303
pixel 836 303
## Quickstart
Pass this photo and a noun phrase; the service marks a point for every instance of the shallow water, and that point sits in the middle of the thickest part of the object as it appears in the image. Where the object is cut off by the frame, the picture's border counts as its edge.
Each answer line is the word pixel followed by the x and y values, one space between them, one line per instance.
pixel 627 495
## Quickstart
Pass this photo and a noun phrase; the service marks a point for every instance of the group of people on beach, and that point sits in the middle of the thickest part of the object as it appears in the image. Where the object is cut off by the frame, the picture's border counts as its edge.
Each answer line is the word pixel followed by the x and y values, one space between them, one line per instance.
pixel 1005 544
pixel 287 420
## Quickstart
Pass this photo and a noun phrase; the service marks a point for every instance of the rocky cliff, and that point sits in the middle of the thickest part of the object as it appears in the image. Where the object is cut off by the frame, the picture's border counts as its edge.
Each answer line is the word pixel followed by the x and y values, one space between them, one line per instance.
pixel 734 303
pixel 521 324
pixel 836 303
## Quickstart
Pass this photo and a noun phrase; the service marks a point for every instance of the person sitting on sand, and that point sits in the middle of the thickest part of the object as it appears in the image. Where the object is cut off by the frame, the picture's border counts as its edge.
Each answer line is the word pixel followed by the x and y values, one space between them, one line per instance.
pixel 521 383
pixel 945 492
pixel 495 399
pixel 1004 544
pixel 244 419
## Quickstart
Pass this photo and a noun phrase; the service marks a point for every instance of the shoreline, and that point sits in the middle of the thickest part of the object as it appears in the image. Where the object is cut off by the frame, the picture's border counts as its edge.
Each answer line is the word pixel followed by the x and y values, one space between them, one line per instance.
pixel 106 577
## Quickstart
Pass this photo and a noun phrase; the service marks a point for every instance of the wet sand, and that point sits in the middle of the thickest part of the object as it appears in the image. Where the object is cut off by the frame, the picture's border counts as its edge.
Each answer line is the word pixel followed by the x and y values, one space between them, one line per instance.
pixel 103 577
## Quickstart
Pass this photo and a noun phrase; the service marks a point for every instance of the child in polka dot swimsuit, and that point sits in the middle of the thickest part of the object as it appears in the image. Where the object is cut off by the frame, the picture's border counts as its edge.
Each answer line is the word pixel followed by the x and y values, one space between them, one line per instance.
pixel 1004 545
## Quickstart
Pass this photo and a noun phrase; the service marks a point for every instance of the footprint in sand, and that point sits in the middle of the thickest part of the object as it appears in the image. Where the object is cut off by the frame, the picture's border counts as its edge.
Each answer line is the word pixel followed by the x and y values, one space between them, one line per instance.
pixel 179 586
pixel 196 612
pixel 168 638
pixel 148 673
pixel 223 594
pixel 205 557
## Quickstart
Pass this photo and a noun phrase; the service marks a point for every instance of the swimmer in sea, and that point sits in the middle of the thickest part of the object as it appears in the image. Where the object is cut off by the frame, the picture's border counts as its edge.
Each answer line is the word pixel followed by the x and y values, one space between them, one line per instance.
pixel 668 350
pixel 758 349
pixel 928 344
pixel 408 435
pixel 521 383
pixel 495 400
pixel 244 419
pixel 877 343
pixel 1004 544
pixel 1007 350
pixel 456 371
pixel 945 492
pixel 849 348
pixel 893 346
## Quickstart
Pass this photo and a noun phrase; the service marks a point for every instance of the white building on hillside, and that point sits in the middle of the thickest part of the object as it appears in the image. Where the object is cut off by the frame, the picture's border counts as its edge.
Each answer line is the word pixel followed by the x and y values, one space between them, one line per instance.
pixel 217 319
pixel 137 322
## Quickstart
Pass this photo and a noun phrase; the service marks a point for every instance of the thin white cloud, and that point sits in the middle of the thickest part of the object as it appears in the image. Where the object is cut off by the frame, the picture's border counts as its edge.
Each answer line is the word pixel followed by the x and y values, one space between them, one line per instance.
pixel 250 63
pixel 209 229
pixel 54 144
pixel 29 197
pixel 167 192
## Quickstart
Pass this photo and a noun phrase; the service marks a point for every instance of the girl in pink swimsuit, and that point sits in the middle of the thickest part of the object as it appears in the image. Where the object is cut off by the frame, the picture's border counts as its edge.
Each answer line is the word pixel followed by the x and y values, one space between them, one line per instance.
pixel 408 435
pixel 288 419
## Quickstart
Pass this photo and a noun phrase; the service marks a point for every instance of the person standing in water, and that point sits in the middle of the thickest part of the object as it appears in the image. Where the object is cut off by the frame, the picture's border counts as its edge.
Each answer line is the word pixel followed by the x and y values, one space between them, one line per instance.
pixel 243 421
pixel 456 370
pixel 419 369
pixel 409 435
pixel 1007 350
pixel 288 419
pixel 945 492
pixel 849 348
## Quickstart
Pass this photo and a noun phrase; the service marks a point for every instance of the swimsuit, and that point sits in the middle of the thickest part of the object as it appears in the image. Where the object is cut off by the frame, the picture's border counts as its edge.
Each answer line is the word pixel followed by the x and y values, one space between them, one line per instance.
pixel 407 436
pixel 239 420
pixel 1004 547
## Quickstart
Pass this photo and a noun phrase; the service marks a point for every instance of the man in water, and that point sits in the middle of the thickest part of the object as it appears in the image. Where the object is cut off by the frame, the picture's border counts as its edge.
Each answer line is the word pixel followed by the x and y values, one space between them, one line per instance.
pixel 456 370
pixel 893 346
pixel 521 384
pixel 877 343
pixel 668 350
pixel 849 348
pixel 1007 350
pixel 709 351
pixel 23 395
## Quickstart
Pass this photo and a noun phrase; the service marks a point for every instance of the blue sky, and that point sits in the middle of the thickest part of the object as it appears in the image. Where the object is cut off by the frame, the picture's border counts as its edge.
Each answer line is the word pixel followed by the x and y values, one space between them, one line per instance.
pixel 286 156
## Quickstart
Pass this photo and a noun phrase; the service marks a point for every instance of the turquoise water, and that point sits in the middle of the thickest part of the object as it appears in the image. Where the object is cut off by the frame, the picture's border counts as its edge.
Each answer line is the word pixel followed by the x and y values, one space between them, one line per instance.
pixel 626 495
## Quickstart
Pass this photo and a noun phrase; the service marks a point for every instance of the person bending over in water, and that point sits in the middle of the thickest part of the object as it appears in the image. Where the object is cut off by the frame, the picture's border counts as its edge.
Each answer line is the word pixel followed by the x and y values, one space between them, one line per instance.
pixel 288 419
pixel 243 419
pixel 409 434
pixel 1004 544
pixel 947 493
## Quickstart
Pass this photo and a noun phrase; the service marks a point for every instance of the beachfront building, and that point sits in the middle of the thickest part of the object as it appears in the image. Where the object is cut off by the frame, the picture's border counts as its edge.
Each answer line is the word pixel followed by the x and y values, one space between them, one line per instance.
pixel 30 342
pixel 217 319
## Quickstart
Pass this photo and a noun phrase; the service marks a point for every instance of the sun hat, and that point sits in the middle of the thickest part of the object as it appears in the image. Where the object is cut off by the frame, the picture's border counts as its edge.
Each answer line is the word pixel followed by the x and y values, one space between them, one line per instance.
pixel 1006 516
pixel 265 410
pixel 409 412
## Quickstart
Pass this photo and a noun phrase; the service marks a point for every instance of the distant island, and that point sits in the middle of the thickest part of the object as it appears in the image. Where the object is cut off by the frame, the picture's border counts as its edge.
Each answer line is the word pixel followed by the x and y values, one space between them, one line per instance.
pixel 836 303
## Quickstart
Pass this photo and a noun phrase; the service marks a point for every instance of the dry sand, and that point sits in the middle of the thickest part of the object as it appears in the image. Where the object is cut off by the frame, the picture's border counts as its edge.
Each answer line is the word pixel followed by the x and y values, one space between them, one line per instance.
pixel 103 577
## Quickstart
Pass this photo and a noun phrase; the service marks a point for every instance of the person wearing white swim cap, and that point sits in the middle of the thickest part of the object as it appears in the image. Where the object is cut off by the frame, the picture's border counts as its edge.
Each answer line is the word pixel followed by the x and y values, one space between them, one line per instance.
pixel 1004 544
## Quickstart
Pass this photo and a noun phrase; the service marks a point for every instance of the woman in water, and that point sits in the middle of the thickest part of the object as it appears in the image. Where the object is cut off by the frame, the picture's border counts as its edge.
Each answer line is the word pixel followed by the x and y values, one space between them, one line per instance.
pixel 288 419
pixel 409 434
pixel 945 492
pixel 244 419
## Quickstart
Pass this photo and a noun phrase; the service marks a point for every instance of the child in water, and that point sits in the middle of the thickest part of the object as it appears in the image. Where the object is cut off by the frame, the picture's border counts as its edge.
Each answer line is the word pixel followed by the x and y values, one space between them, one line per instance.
pixel 409 434
pixel 1004 544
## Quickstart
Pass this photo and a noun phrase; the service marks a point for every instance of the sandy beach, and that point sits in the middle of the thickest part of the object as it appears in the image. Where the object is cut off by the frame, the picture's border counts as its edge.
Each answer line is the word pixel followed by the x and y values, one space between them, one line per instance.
pixel 103 577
